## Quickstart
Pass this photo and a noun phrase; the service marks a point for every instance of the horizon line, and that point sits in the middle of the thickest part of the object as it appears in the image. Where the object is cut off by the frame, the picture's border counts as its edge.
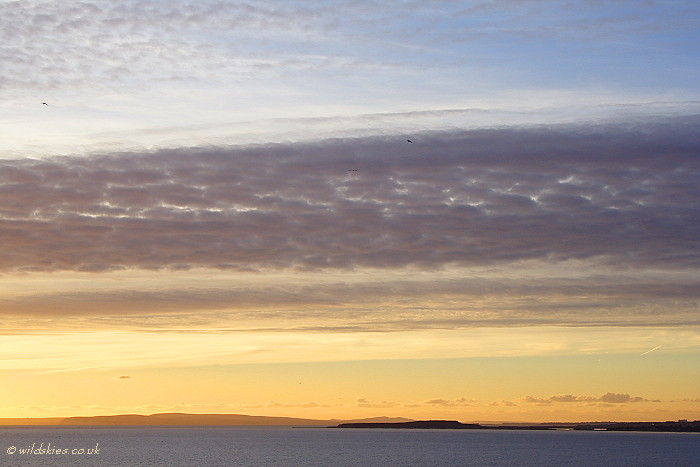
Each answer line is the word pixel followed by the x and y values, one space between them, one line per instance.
pixel 178 419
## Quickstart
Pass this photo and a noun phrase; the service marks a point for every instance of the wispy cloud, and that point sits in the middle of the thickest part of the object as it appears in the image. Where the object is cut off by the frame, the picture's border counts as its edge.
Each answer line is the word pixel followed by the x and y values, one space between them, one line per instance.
pixel 350 302
pixel 48 346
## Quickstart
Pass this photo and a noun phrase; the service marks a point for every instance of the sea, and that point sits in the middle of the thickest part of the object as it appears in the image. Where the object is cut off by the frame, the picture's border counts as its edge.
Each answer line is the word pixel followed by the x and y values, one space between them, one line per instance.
pixel 310 446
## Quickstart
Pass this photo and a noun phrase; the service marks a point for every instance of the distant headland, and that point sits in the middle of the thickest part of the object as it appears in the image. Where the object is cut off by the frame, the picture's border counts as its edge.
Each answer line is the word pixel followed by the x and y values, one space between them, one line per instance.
pixel 669 426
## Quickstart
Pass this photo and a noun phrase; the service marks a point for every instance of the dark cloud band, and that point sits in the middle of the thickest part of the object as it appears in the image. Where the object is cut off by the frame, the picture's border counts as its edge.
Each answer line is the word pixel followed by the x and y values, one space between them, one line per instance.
pixel 627 195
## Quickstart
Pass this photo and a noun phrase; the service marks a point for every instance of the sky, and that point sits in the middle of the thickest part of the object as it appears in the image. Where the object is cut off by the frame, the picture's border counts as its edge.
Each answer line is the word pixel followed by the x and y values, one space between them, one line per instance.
pixel 472 210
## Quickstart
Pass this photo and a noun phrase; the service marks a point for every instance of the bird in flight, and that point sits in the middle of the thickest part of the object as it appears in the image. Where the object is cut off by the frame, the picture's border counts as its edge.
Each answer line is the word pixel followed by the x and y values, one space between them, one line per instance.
pixel 44 103
pixel 352 170
pixel 409 141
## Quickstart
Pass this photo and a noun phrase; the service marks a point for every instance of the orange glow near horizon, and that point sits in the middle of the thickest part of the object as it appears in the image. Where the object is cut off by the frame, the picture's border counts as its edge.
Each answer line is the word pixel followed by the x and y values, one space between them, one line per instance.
pixel 85 357
pixel 533 389
pixel 314 361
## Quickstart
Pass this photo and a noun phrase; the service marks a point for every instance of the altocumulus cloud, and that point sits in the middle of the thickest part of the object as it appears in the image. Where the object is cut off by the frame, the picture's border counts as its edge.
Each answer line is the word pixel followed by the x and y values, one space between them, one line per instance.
pixel 609 398
pixel 143 43
pixel 459 402
pixel 140 42
pixel 624 195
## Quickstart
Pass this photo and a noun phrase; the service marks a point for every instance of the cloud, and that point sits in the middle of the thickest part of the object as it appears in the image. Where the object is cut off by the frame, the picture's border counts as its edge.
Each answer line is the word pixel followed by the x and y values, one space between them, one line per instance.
pixel 569 398
pixel 147 42
pixel 453 301
pixel 459 402
pixel 535 400
pixel 609 398
pixel 149 73
pixel 48 345
pixel 613 398
pixel 620 195
pixel 305 405
pixel 105 50
pixel 364 402
pixel 570 19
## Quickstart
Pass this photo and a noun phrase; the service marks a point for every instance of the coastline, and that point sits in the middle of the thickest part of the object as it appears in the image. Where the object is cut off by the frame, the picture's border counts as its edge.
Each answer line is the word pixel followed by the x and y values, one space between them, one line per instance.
pixel 221 420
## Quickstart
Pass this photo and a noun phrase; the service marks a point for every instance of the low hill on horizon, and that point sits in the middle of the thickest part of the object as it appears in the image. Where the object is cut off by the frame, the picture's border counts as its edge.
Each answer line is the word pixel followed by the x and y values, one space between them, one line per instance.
pixel 188 419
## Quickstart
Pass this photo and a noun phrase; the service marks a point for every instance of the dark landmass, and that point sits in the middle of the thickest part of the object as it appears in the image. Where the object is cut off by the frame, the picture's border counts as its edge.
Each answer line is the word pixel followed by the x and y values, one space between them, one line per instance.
pixel 185 419
pixel 431 424
pixel 30 421
pixel 679 426
pixel 161 419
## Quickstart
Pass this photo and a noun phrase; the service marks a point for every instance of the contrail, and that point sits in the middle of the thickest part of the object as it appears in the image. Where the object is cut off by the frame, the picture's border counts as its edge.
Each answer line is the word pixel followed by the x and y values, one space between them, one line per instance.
pixel 649 351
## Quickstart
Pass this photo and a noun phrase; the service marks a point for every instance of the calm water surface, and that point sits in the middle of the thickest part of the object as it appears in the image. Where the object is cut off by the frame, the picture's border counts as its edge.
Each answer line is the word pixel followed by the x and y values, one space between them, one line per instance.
pixel 286 446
